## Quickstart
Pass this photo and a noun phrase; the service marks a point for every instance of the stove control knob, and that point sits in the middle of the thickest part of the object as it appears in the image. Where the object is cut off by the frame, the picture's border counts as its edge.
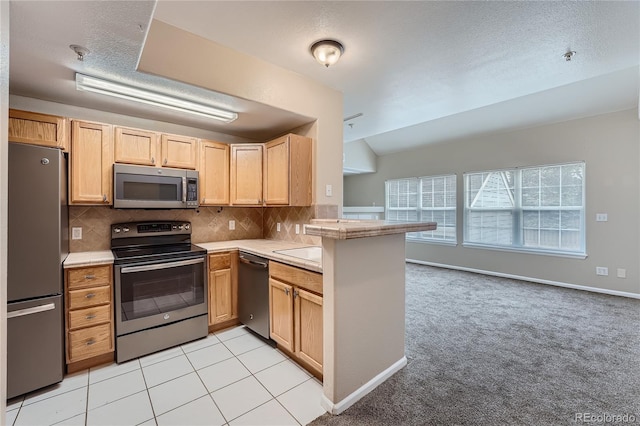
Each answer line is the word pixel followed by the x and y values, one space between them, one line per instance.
pixel 180 227
pixel 174 227
pixel 187 226
pixel 125 229
pixel 116 230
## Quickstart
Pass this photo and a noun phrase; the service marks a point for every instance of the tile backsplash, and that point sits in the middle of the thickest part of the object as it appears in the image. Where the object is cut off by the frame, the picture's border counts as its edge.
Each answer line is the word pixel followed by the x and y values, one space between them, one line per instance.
pixel 208 223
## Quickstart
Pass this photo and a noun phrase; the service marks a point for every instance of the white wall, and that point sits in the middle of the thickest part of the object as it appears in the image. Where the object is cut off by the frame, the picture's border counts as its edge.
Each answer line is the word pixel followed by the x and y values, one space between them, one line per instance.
pixel 359 157
pixel 610 146
pixel 4 119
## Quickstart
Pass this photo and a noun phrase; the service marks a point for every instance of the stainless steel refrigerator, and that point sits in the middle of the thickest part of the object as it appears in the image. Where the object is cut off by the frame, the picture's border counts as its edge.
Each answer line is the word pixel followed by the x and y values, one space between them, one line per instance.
pixel 37 246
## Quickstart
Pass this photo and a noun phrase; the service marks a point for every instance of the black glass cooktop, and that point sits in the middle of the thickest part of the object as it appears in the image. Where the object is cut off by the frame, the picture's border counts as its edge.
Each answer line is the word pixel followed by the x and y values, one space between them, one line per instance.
pixel 173 251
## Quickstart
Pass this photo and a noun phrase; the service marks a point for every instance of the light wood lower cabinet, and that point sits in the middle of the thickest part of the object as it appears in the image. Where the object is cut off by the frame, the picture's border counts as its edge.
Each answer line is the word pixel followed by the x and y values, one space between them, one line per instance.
pixel 295 313
pixel 223 289
pixel 89 316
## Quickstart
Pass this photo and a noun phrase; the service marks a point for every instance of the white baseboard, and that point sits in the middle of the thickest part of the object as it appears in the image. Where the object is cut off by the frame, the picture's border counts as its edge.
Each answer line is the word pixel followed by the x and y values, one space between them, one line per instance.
pixel 355 396
pixel 535 280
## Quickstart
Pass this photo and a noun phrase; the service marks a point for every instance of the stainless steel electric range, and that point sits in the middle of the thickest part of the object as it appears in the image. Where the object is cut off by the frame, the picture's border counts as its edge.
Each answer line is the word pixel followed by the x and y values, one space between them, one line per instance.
pixel 160 287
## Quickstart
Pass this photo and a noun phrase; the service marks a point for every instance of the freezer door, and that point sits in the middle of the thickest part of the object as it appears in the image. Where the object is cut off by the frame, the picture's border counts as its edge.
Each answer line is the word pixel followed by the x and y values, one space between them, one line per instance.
pixel 37 221
pixel 35 345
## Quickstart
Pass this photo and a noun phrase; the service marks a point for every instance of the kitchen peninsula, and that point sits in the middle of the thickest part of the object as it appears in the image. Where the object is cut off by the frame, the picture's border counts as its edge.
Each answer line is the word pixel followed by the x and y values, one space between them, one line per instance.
pixel 364 305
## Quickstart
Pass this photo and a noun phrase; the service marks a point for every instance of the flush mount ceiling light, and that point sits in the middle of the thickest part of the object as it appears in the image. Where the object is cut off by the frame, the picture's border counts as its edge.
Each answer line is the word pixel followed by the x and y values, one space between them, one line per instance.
pixel 109 88
pixel 81 51
pixel 327 52
pixel 569 55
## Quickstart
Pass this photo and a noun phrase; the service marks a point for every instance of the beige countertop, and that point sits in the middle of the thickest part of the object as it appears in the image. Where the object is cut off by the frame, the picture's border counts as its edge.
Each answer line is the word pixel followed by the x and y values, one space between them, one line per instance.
pixel 343 229
pixel 88 258
pixel 265 248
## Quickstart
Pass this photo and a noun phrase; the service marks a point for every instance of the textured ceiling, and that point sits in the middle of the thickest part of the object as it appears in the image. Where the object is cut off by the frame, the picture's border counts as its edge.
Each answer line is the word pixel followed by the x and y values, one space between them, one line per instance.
pixel 420 72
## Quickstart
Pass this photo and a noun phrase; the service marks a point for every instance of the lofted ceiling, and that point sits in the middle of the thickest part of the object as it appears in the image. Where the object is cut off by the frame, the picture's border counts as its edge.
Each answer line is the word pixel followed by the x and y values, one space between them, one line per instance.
pixel 418 71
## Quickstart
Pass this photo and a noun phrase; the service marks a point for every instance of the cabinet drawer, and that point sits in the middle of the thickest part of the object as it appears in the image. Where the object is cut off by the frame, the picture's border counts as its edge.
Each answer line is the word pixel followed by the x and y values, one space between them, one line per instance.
pixel 308 280
pixel 89 297
pixel 89 342
pixel 219 261
pixel 89 316
pixel 90 276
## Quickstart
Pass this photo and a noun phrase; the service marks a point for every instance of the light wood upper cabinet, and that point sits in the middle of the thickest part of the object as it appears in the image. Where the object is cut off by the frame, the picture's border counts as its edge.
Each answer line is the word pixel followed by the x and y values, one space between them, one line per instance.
pixel 135 146
pixel 38 129
pixel 214 173
pixel 179 151
pixel 287 171
pixel 246 175
pixel 91 159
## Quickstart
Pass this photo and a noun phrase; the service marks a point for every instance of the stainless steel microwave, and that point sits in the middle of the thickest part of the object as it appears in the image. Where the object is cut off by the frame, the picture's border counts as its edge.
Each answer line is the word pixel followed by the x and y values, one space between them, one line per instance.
pixel 141 187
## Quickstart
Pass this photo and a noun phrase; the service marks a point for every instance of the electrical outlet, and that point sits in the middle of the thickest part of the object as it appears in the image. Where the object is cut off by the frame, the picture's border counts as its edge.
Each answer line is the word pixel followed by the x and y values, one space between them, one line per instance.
pixel 329 190
pixel 76 233
pixel 601 217
pixel 278 227
pixel 602 270
pixel 297 228
pixel 622 273
pixel 232 225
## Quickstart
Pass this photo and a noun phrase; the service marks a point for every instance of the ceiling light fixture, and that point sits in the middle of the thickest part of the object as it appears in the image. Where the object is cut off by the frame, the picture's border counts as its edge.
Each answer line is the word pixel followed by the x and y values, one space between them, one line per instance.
pixel 109 88
pixel 569 55
pixel 81 51
pixel 327 52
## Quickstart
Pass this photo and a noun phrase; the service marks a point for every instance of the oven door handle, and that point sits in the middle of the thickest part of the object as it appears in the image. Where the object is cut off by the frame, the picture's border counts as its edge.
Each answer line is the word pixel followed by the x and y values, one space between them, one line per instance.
pixel 157 266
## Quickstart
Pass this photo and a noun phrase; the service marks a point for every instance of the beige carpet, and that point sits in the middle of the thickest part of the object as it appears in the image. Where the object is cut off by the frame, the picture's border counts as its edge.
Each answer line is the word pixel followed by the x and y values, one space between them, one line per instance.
pixel 495 351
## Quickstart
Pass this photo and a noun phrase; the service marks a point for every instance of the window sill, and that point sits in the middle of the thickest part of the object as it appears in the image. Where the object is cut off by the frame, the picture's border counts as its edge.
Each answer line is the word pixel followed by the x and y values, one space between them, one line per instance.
pixel 436 242
pixel 526 251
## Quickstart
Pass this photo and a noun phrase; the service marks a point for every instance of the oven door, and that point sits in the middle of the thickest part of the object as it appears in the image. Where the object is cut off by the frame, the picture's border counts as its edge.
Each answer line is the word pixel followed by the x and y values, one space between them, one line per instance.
pixel 156 293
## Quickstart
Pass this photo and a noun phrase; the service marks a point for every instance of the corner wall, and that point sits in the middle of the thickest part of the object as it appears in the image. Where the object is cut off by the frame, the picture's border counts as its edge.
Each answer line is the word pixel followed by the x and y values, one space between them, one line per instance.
pixel 610 146
pixel 4 121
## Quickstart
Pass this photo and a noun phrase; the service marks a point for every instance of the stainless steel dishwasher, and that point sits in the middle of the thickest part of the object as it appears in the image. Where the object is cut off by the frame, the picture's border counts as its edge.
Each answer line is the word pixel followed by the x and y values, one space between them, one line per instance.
pixel 253 293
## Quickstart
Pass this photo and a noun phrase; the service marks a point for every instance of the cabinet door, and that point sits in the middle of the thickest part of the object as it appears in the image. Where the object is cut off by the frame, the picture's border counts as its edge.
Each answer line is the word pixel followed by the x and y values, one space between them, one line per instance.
pixel 38 129
pixel 91 179
pixel 214 173
pixel 134 146
pixel 246 174
pixel 308 328
pixel 220 296
pixel 276 172
pixel 281 313
pixel 179 151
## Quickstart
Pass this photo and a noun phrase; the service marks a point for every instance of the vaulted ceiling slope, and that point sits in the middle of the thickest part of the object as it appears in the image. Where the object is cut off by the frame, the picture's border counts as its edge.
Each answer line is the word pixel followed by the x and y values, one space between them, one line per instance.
pixel 419 72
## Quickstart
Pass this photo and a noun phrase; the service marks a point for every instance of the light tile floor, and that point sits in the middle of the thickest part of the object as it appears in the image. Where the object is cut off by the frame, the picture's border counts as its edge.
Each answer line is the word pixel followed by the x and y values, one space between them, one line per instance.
pixel 228 378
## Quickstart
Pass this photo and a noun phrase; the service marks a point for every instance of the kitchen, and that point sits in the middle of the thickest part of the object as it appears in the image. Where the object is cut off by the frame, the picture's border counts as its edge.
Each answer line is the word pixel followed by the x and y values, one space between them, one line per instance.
pixel 94 218
pixel 327 175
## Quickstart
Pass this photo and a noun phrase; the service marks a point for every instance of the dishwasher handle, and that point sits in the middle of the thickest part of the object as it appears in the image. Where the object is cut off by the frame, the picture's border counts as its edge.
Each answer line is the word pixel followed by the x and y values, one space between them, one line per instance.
pixel 246 261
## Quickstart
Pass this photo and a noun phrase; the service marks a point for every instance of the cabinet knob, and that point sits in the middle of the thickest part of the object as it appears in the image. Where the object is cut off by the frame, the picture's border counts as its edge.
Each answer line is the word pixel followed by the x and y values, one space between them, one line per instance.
pixel 295 294
pixel 153 160
pixel 90 296
pixel 91 342
pixel 89 277
pixel 286 291
pixel 165 162
pixel 104 198
pixel 90 317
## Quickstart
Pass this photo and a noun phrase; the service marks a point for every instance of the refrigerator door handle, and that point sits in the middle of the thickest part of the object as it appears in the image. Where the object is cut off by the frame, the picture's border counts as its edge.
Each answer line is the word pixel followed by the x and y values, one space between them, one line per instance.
pixel 33 310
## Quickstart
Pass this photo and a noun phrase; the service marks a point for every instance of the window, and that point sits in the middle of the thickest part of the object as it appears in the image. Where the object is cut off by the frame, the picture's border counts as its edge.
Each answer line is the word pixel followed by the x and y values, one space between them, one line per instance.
pixel 425 199
pixel 533 208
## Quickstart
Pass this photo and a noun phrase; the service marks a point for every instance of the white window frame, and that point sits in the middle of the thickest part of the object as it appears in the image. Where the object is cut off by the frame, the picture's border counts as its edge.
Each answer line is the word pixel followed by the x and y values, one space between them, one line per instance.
pixel 518 215
pixel 419 209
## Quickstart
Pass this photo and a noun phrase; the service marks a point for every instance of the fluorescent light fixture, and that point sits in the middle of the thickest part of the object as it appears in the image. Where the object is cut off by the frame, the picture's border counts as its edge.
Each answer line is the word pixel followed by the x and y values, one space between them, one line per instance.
pixel 104 87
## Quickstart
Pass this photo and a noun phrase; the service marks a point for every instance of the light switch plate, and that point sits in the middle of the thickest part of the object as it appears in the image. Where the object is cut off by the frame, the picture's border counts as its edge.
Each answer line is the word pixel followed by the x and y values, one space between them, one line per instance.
pixel 622 273
pixel 232 225
pixel 76 233
pixel 297 228
pixel 601 217
pixel 278 227
pixel 602 270
pixel 329 190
